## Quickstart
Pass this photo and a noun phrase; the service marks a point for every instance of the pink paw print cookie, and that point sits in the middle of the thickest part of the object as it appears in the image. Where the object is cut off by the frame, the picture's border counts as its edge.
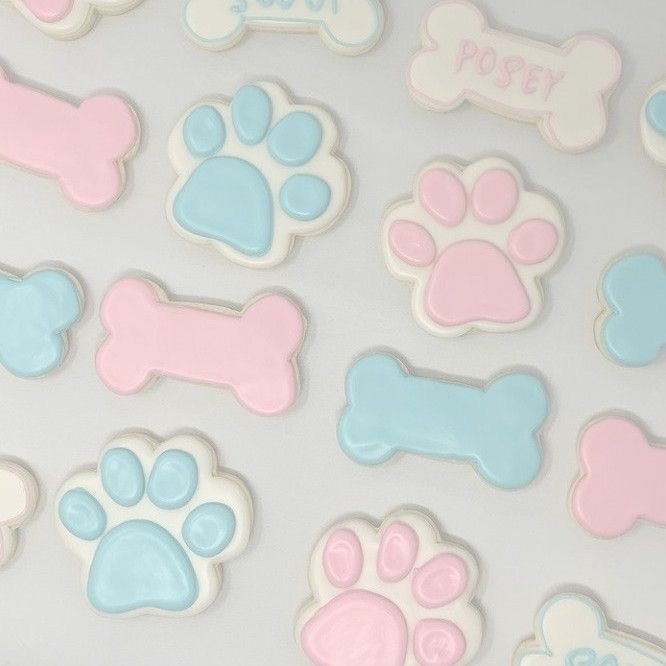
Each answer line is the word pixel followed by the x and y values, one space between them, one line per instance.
pixel 390 596
pixel 475 244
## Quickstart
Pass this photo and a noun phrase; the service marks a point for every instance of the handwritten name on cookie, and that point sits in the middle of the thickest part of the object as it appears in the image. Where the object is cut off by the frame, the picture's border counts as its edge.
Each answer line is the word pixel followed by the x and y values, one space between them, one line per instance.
pixel 564 89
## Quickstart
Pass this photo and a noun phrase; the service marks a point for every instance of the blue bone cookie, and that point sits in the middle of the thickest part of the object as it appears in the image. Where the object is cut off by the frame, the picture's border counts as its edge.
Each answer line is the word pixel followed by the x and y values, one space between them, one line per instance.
pixel 495 428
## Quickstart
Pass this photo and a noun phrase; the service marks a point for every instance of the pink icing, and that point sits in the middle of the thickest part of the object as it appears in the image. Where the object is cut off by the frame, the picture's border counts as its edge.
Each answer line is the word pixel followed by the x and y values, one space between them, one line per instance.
pixel 343 558
pixel 494 196
pixel 251 352
pixel 440 581
pixel 438 643
pixel 49 11
pixel 81 146
pixel 356 628
pixel 412 243
pixel 397 552
pixel 622 479
pixel 532 241
pixel 443 195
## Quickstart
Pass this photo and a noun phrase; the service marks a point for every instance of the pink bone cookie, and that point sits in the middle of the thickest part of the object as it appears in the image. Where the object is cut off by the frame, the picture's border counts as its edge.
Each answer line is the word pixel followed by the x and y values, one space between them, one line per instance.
pixel 563 89
pixel 252 352
pixel 83 146
pixel 18 498
pixel 622 479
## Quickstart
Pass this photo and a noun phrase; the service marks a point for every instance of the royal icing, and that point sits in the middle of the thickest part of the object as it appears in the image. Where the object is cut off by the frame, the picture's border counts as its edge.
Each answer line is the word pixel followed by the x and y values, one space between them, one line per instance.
pixel 69 19
pixel 631 330
pixel 252 352
pixel 255 173
pixel 653 123
pixel 396 595
pixel 18 499
pixel 621 479
pixel 36 312
pixel 349 27
pixel 474 243
pixel 565 90
pixel 82 146
pixel 572 630
pixel 495 428
pixel 153 525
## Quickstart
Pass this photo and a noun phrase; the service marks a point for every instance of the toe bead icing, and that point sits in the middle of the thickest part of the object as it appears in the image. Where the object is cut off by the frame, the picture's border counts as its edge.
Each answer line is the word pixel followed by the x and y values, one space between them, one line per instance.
pixel 412 243
pixel 343 558
pixel 494 196
pixel 397 552
pixel 443 195
pixel 438 643
pixel 252 111
pixel 122 476
pixel 440 581
pixel 82 514
pixel 174 480
pixel 295 139
pixel 209 529
pixel 204 131
pixel 532 242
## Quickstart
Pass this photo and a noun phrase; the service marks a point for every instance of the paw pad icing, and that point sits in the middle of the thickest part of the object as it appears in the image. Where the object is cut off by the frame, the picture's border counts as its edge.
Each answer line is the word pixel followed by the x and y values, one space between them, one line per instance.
pixel 18 498
pixel 349 27
pixel 36 312
pixel 253 352
pixel 632 329
pixel 389 410
pixel 153 524
pixel 572 630
pixel 564 89
pixel 622 478
pixel 475 244
pixel 256 173
pixel 392 596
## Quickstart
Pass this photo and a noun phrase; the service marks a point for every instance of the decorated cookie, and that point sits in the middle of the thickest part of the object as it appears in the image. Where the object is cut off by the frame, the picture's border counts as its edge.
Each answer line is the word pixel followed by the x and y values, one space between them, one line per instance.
pixel 495 428
pixel 653 123
pixel 474 243
pixel 621 478
pixel 36 312
pixel 632 327
pixel 390 596
pixel 153 524
pixel 564 89
pixel 255 173
pixel 349 27
pixel 82 146
pixel 18 499
pixel 252 352
pixel 69 19
pixel 572 630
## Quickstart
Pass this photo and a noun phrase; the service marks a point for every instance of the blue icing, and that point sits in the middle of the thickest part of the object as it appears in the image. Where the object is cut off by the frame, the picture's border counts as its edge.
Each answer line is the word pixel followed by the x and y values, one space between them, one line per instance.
pixel 204 132
pixel 495 429
pixel 138 564
pixel 251 110
pixel 588 657
pixel 305 197
pixel 655 112
pixel 634 288
pixel 35 312
pixel 122 476
pixel 82 515
pixel 209 529
pixel 173 480
pixel 295 140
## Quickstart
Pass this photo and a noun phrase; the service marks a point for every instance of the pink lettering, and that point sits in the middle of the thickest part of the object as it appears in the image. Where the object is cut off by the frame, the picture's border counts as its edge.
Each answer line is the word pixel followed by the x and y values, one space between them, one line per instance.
pixel 531 79
pixel 466 51
pixel 486 60
pixel 507 67
pixel 552 79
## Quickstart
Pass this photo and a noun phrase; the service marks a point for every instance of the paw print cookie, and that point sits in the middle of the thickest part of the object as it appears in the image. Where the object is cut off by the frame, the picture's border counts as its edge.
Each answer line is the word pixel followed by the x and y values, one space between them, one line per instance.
pixel 255 174
pixel 18 499
pixel 36 313
pixel 153 525
pixel 390 596
pixel 475 244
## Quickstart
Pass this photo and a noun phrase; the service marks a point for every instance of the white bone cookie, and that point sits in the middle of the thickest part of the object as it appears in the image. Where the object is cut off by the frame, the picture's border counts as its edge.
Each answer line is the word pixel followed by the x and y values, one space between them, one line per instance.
pixel 18 498
pixel 564 89
pixel 349 27
pixel 69 19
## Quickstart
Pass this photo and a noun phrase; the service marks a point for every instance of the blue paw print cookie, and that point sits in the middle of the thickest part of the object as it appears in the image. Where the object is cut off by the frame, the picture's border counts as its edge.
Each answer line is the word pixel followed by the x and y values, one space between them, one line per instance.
pixel 632 329
pixel 36 312
pixel 256 173
pixel 151 523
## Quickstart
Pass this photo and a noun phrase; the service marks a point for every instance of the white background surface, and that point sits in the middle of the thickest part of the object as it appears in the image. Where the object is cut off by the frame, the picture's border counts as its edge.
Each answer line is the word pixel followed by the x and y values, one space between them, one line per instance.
pixel 527 545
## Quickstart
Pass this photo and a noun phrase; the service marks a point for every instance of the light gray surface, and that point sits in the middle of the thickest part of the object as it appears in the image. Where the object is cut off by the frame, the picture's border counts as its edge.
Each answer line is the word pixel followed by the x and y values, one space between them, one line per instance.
pixel 526 543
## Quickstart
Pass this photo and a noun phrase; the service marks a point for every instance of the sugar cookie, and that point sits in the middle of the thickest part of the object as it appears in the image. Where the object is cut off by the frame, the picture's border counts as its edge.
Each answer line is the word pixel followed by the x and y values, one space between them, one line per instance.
pixel 564 89
pixel 153 524
pixel 255 173
pixel 474 243
pixel 18 499
pixel 396 595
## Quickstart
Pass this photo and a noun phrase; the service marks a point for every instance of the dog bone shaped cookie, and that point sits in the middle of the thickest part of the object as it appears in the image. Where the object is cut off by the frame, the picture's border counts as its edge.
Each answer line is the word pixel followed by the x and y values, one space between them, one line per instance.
pixel 69 19
pixel 252 352
pixel 349 27
pixel 494 428
pixel 563 89
pixel 18 498
pixel 82 146
pixel 622 479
